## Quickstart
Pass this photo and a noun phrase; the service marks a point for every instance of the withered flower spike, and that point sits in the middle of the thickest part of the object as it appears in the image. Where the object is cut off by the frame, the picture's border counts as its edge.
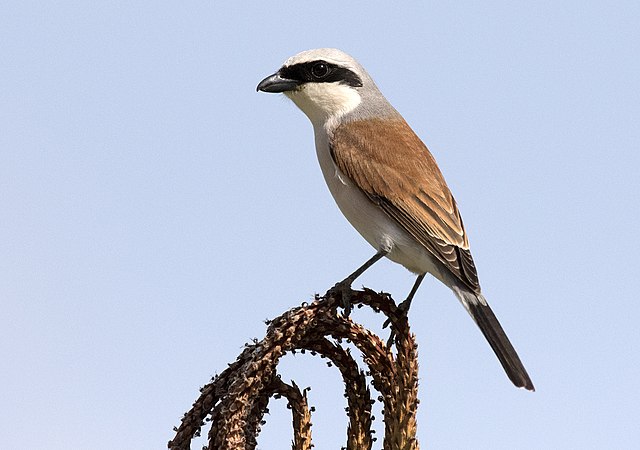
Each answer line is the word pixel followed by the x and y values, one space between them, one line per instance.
pixel 237 399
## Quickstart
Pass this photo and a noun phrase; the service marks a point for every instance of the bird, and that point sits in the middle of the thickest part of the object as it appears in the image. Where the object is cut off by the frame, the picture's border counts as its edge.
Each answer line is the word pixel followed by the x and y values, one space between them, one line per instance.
pixel 387 184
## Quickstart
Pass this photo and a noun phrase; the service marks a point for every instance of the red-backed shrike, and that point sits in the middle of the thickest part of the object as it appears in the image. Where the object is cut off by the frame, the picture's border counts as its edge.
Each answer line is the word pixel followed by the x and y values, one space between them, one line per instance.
pixel 387 184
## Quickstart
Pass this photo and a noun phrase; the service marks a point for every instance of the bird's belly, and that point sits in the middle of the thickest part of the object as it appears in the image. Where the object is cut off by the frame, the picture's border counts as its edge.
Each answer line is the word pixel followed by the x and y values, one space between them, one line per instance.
pixel 380 230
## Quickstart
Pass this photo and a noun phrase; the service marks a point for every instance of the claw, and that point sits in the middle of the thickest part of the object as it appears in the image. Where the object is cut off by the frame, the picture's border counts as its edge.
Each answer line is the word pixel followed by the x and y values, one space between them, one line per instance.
pixel 404 307
pixel 343 288
pixel 402 310
pixel 392 337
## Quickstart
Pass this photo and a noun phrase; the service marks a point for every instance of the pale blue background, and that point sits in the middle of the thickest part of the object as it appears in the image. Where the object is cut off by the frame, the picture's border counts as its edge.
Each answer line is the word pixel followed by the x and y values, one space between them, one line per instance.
pixel 155 209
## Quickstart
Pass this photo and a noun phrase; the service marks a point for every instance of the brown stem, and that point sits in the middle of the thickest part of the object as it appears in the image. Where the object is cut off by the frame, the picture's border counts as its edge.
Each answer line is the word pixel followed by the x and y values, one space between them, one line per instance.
pixel 237 399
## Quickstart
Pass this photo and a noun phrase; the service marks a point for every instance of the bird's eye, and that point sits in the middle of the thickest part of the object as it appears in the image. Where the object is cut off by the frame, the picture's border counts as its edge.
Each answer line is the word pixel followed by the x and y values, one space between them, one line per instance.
pixel 320 70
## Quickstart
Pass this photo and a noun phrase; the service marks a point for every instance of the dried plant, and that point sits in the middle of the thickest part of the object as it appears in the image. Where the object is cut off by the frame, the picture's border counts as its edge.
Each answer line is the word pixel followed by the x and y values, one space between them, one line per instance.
pixel 236 400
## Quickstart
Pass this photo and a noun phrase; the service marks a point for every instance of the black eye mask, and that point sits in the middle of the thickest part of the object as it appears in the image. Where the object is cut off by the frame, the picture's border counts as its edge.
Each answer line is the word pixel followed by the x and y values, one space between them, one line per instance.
pixel 320 72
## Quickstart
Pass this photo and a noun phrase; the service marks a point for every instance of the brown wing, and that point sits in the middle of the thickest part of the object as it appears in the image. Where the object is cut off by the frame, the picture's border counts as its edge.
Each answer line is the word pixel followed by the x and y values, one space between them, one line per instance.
pixel 397 172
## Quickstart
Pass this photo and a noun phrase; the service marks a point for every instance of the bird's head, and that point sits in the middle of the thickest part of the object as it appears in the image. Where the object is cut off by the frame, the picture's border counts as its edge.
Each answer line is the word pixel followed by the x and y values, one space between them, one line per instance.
pixel 324 83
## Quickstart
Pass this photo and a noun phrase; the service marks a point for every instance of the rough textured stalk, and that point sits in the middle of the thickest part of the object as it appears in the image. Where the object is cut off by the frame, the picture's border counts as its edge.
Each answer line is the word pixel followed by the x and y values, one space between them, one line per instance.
pixel 236 400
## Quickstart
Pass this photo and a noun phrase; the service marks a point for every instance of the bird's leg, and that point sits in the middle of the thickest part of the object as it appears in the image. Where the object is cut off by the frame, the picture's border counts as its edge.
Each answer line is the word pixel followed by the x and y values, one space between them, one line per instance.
pixel 404 307
pixel 344 287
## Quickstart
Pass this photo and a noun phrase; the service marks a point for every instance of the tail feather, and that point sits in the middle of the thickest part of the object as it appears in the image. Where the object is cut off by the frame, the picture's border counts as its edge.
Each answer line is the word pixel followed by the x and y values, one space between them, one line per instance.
pixel 482 314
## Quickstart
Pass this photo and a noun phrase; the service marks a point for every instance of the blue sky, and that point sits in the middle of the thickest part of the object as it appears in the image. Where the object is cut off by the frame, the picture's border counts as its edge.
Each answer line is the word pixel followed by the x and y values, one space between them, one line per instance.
pixel 156 209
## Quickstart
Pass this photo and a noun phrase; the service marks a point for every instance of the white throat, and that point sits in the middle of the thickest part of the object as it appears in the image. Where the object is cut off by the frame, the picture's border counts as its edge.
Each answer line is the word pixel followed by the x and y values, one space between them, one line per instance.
pixel 325 102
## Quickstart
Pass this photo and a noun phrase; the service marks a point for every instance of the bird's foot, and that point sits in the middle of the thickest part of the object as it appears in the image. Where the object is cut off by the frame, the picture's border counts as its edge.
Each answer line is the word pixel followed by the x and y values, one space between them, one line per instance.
pixel 401 311
pixel 343 292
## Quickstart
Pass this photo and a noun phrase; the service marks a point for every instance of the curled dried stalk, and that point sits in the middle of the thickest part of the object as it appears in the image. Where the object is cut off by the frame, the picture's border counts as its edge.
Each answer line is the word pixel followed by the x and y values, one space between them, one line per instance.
pixel 236 400
pixel 356 391
pixel 297 401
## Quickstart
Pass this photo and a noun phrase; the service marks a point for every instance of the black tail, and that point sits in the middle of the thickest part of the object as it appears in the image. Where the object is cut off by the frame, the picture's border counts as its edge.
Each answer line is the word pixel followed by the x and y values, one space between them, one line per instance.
pixel 493 332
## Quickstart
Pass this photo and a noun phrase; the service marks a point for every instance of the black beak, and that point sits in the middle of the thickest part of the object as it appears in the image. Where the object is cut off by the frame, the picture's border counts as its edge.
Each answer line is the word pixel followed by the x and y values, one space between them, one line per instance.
pixel 275 83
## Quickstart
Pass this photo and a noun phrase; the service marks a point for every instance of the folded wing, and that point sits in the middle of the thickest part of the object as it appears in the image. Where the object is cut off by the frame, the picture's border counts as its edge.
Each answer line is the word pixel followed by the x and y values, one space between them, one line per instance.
pixel 398 173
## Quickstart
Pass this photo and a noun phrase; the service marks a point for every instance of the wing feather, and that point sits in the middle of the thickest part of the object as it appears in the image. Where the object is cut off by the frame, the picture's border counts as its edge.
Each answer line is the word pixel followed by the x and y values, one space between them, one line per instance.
pixel 392 166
